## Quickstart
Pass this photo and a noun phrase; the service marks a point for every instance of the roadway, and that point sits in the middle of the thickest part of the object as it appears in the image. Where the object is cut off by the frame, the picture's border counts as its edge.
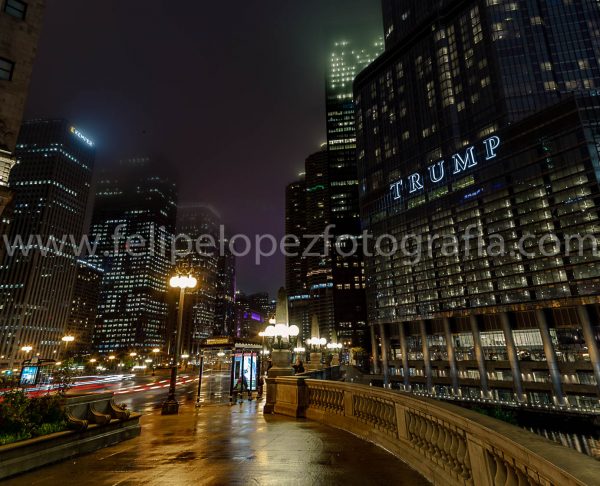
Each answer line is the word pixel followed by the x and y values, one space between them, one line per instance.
pixel 146 393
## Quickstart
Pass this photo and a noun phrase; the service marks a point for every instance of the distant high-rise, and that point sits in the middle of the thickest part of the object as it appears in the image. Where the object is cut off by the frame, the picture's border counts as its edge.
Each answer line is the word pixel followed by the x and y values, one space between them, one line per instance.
pixel 260 302
pixel 248 321
pixel 296 267
pixel 194 223
pixel 319 266
pixel 337 282
pixel 84 306
pixel 51 182
pixel 133 222
pixel 225 317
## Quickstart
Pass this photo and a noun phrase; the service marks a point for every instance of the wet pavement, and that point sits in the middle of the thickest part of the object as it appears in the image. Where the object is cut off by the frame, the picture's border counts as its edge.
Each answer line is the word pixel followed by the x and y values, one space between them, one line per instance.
pixel 219 444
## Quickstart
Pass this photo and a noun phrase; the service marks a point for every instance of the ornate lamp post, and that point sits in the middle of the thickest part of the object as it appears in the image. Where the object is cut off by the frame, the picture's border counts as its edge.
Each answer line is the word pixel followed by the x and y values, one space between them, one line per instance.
pixel 316 355
pixel 335 349
pixel 171 405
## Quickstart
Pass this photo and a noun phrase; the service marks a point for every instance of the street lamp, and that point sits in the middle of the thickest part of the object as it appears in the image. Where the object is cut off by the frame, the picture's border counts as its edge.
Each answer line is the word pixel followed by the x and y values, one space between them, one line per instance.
pixel 155 351
pixel 67 340
pixel 27 349
pixel 181 282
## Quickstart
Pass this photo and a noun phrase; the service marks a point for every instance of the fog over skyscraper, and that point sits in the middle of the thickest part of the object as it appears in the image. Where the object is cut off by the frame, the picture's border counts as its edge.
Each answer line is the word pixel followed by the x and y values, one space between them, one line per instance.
pixel 133 222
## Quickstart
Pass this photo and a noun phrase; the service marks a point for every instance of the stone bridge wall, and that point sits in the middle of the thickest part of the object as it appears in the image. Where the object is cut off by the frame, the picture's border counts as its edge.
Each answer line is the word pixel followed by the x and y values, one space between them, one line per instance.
pixel 448 445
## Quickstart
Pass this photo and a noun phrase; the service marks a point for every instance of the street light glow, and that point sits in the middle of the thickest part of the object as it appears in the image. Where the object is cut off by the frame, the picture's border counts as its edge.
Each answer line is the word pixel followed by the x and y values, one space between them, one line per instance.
pixel 68 339
pixel 27 349
pixel 183 282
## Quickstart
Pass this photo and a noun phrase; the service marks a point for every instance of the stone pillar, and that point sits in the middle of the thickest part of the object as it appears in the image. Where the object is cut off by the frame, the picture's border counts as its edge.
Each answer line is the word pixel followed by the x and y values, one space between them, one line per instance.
pixel 550 357
pixel 384 355
pixel 479 356
pixel 281 359
pixel 426 356
pixel 404 350
pixel 513 357
pixel 315 361
pixel 451 357
pixel 374 351
pixel 590 340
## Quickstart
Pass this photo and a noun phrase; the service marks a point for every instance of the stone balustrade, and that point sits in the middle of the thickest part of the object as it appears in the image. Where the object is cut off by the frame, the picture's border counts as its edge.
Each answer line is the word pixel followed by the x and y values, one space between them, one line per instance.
pixel 448 445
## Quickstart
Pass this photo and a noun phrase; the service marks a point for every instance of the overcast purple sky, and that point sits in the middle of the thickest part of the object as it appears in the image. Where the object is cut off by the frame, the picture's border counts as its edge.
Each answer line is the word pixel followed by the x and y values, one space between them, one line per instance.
pixel 230 92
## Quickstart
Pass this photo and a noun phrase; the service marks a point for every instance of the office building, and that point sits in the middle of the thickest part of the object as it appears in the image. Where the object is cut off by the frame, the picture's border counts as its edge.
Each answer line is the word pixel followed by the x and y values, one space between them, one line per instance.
pixel 260 302
pixel 197 222
pixel 249 321
pixel 134 222
pixel 479 125
pixel 225 315
pixel 332 292
pixel 51 183
pixel 296 266
pixel 84 307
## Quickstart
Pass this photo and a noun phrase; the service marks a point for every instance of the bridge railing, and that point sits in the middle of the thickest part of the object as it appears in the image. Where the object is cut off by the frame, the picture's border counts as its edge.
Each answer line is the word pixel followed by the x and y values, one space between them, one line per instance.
pixel 448 445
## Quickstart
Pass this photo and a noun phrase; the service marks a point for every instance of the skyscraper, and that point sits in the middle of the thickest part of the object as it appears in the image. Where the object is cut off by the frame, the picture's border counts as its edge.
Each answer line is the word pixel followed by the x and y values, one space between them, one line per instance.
pixel 199 222
pixel 84 306
pixel 51 181
pixel 337 281
pixel 296 267
pixel 225 317
pixel 133 222
pixel 480 123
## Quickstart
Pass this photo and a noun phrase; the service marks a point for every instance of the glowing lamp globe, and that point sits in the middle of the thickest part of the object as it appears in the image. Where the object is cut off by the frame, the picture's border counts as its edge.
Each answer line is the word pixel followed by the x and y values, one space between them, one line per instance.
pixel 281 330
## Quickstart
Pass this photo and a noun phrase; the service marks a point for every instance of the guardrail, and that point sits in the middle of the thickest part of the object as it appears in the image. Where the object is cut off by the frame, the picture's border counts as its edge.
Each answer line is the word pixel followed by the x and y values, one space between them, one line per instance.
pixel 448 445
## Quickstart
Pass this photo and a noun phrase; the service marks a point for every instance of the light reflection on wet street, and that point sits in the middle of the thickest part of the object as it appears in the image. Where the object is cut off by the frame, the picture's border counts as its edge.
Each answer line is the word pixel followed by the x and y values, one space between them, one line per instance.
pixel 222 444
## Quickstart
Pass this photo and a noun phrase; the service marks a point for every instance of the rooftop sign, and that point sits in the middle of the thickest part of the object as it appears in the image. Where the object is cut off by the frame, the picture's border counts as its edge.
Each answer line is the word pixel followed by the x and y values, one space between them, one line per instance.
pixel 81 136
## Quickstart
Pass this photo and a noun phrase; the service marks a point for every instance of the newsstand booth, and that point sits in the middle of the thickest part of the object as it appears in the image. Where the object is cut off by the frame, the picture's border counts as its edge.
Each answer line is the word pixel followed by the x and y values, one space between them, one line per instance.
pixel 223 360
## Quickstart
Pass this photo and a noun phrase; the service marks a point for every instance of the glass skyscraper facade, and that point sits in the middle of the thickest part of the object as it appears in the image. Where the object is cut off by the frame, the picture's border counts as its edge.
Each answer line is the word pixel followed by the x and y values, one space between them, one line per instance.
pixel 296 267
pixel 51 182
pixel 478 124
pixel 326 292
pixel 133 223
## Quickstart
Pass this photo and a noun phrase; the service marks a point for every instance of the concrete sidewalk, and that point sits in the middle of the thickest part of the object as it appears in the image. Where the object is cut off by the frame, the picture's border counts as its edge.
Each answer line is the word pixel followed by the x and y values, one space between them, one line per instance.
pixel 230 445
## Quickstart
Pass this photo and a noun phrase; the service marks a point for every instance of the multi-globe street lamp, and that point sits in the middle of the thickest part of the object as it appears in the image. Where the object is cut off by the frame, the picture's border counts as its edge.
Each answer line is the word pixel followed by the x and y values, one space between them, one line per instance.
pixel 335 349
pixel 181 282
pixel 315 344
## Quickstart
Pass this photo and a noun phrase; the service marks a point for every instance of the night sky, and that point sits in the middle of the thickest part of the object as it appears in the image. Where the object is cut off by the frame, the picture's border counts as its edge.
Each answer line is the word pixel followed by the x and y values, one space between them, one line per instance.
pixel 230 92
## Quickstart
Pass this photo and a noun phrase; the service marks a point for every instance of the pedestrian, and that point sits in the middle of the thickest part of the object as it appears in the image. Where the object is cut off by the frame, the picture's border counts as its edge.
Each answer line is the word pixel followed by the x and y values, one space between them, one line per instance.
pixel 238 390
pixel 298 366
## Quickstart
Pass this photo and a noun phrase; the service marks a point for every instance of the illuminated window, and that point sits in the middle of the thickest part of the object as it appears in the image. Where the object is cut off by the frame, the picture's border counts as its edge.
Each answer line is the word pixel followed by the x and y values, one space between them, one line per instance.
pixel 16 8
pixel 6 69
